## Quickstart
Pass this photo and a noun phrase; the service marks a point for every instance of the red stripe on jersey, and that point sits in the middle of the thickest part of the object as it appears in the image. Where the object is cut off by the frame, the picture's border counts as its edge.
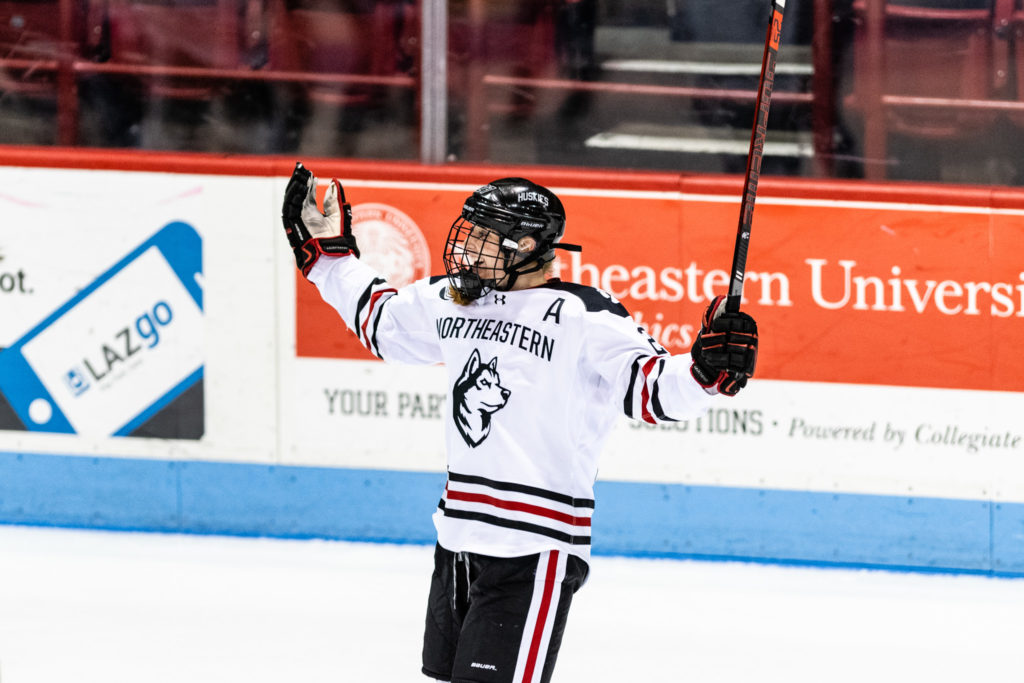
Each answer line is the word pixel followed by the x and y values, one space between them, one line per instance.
pixel 519 507
pixel 542 615
pixel 369 312
pixel 645 396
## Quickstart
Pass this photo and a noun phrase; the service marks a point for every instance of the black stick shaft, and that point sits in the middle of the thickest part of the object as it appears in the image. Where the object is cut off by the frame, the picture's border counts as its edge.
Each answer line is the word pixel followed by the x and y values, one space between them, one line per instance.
pixel 757 135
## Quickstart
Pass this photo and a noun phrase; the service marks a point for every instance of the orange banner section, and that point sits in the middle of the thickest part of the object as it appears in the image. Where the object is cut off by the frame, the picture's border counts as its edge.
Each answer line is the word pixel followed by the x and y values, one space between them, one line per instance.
pixel 845 287
pixel 900 284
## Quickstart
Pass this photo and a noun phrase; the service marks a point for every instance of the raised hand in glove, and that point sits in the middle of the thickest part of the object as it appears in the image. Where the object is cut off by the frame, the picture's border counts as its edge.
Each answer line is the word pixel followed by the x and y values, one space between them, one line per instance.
pixel 725 352
pixel 310 232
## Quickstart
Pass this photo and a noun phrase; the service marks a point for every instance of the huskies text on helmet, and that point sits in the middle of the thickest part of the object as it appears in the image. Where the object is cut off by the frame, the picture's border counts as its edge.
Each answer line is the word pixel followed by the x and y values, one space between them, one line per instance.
pixel 512 208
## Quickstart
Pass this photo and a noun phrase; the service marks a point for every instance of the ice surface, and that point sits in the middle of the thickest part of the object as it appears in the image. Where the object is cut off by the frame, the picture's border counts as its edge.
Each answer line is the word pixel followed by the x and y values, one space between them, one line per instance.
pixel 89 606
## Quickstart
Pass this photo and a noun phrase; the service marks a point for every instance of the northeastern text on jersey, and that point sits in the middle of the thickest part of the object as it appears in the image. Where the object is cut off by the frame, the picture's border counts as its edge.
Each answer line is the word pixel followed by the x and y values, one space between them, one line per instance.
pixel 504 331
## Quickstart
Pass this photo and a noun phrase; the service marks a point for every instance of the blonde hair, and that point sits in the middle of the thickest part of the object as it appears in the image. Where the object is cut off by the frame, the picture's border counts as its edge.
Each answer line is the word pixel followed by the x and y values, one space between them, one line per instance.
pixel 458 298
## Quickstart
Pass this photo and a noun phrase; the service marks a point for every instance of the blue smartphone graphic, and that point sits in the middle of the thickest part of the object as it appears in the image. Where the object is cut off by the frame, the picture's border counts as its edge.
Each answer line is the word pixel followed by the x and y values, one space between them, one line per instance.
pixel 120 350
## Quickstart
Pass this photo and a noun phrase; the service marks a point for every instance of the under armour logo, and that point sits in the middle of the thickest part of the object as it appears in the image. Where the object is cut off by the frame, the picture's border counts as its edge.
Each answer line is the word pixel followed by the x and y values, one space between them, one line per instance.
pixel 499 298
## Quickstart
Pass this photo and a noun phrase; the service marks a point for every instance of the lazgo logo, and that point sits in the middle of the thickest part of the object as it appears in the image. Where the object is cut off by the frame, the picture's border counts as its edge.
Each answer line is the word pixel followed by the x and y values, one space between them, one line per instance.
pixel 120 351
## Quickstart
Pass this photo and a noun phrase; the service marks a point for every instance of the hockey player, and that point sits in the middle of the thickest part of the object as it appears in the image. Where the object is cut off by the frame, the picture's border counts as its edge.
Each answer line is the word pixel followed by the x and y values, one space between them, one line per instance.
pixel 537 370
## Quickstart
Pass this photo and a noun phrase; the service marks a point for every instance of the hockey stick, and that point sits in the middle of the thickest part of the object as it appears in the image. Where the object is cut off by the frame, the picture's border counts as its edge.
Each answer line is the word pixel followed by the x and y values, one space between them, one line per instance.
pixel 764 100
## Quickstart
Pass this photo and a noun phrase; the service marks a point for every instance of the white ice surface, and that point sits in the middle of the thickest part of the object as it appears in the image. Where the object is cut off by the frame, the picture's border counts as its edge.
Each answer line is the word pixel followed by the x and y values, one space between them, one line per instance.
pixel 87 606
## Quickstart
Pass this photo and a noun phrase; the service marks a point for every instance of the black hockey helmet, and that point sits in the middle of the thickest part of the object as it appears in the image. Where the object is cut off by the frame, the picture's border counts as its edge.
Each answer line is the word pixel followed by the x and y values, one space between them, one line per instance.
pixel 513 208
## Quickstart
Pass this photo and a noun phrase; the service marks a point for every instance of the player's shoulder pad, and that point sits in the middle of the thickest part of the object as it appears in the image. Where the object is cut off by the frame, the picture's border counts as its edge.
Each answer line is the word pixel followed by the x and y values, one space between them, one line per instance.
pixel 437 285
pixel 592 298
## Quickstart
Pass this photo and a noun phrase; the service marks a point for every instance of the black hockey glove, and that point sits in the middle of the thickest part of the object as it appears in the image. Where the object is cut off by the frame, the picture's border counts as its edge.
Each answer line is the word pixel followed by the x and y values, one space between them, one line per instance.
pixel 725 352
pixel 310 232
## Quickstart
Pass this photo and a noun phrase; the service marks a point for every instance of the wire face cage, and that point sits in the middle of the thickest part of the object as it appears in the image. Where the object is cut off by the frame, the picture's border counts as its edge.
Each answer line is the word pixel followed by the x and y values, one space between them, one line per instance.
pixel 476 258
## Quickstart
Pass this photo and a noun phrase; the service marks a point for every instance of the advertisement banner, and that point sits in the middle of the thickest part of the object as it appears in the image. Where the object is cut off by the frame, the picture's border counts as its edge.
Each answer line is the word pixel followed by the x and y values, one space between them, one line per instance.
pixel 102 329
pixel 899 295
pixel 127 345
pixel 168 305
pixel 141 305
pixel 888 349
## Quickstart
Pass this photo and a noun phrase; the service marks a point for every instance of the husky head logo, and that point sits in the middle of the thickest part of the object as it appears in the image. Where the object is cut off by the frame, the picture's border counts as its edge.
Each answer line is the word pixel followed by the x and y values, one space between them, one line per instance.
pixel 477 395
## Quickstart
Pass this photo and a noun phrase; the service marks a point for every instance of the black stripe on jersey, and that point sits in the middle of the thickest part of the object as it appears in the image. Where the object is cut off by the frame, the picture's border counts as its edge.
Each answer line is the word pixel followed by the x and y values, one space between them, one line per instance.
pixel 363 299
pixel 591 297
pixel 511 524
pixel 522 488
pixel 659 412
pixel 434 279
pixel 376 323
pixel 627 403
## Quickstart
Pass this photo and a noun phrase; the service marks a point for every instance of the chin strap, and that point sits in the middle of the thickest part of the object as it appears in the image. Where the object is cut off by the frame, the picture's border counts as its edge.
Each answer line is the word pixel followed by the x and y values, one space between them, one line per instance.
pixel 513 273
pixel 538 261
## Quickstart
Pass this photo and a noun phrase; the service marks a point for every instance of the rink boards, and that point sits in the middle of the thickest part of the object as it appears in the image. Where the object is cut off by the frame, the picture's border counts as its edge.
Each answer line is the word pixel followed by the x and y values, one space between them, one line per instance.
pixel 164 369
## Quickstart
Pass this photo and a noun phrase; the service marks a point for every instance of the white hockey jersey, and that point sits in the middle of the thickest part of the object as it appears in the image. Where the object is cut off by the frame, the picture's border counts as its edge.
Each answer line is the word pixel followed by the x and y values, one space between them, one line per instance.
pixel 536 378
